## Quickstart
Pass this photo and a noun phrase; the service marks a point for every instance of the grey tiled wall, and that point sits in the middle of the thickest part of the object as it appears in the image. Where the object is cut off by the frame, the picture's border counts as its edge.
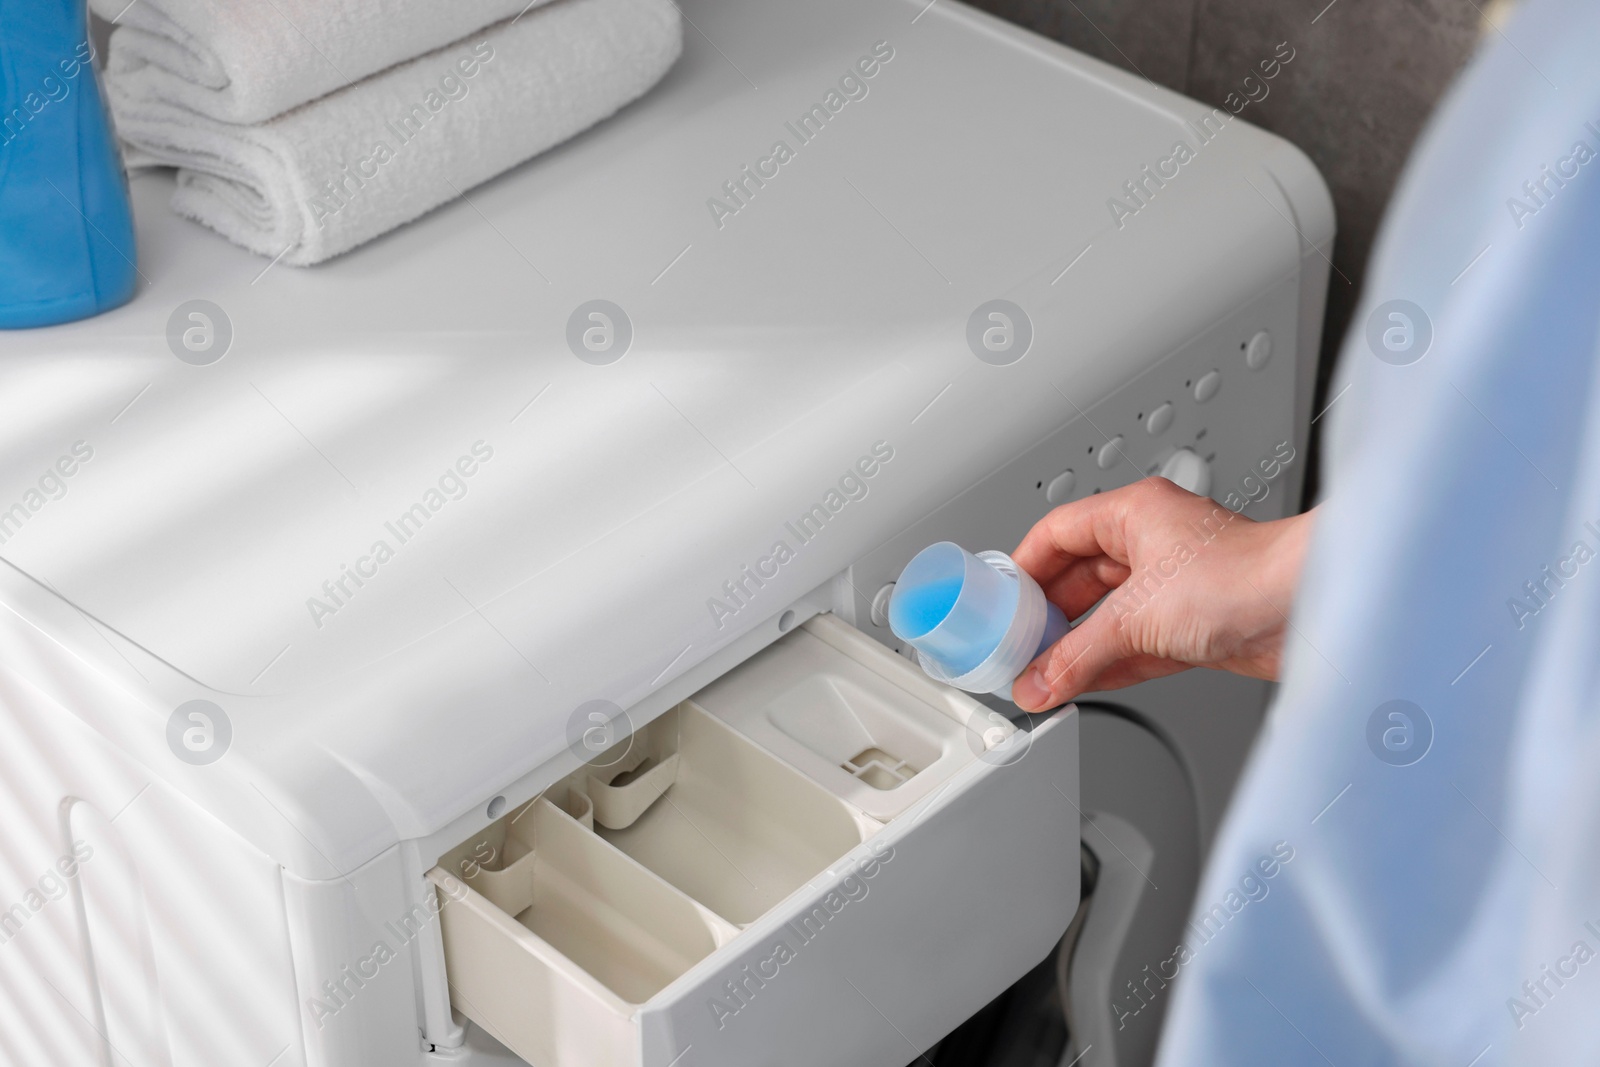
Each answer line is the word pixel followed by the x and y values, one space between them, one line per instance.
pixel 1365 76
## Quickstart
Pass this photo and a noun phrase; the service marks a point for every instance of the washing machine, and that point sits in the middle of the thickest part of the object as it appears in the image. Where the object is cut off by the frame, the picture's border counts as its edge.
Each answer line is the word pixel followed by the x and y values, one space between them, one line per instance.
pixel 471 651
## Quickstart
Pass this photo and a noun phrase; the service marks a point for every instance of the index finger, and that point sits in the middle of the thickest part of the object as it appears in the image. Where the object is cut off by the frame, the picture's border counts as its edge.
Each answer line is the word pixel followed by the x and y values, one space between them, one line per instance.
pixel 1082 529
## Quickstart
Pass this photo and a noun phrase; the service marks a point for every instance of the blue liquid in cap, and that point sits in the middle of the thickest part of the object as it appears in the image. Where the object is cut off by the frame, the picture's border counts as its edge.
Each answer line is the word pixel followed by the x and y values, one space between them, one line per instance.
pixel 955 608
pixel 952 606
pixel 925 607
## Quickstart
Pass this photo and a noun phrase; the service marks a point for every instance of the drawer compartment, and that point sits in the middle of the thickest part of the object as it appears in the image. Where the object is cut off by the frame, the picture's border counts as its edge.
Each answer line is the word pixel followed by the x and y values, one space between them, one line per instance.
pixel 738 870
pixel 737 829
pixel 867 725
pixel 591 905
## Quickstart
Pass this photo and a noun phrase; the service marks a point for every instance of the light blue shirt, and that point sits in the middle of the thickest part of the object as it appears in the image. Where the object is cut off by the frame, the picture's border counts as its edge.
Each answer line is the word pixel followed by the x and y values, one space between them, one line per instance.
pixel 1442 905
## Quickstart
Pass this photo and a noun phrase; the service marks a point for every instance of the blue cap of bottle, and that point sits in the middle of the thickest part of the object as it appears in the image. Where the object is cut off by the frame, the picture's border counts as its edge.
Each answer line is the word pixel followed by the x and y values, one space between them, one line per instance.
pixel 976 621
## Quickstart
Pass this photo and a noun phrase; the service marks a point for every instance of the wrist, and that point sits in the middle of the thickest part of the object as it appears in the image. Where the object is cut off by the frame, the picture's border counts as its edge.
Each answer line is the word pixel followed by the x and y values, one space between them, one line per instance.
pixel 1281 555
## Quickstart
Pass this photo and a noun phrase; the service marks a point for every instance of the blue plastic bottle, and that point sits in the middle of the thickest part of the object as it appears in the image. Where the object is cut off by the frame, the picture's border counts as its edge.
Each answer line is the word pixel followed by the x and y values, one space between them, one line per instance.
pixel 66 228
pixel 976 621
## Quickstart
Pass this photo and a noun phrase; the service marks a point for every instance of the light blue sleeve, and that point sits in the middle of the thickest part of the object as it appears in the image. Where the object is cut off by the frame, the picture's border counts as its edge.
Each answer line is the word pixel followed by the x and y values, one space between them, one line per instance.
pixel 1432 764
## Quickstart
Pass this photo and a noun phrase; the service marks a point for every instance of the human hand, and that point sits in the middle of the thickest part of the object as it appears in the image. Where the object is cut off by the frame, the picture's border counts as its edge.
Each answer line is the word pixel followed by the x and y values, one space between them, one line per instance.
pixel 1190 584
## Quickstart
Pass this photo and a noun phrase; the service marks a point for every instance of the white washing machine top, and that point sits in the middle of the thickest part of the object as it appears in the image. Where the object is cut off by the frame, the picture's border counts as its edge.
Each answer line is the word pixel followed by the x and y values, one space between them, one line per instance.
pixel 408 522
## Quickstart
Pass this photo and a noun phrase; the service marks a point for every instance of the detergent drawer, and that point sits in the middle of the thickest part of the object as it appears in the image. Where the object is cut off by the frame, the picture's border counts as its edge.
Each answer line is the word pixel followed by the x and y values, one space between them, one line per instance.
pixel 822 857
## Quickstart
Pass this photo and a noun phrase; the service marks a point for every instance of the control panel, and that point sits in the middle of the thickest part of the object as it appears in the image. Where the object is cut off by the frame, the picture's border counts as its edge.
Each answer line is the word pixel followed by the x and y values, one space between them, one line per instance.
pixel 1216 416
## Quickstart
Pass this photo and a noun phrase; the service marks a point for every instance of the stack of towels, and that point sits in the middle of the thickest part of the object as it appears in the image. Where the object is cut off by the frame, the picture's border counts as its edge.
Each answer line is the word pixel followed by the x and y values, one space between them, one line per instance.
pixel 303 128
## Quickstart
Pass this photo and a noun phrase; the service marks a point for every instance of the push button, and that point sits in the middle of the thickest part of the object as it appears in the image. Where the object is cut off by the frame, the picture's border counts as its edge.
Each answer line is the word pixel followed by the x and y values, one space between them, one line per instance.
pixel 1109 453
pixel 1258 351
pixel 1185 468
pixel 1060 487
pixel 1160 419
pixel 880 605
pixel 1207 386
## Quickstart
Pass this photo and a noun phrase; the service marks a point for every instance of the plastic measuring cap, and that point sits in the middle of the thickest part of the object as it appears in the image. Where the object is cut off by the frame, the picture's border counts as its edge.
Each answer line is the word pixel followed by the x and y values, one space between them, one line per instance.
pixel 975 621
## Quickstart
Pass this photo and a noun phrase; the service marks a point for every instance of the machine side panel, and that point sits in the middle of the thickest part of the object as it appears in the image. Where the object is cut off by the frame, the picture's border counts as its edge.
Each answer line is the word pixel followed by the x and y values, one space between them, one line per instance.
pixel 134 927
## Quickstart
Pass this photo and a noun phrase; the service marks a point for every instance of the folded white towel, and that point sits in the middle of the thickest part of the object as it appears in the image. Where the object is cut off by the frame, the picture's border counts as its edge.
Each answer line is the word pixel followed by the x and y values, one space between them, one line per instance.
pixel 341 170
pixel 251 60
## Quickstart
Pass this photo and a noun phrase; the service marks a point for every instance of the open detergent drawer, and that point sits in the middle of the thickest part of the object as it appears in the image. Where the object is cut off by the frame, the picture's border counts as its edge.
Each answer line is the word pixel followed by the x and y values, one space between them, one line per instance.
pixel 823 857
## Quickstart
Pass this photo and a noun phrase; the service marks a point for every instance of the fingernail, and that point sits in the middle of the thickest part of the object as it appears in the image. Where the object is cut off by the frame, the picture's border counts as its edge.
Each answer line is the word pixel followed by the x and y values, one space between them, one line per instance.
pixel 1029 691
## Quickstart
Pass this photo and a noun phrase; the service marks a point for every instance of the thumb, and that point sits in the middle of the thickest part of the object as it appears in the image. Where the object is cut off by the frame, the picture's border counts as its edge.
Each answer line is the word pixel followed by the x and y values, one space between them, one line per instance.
pixel 1071 665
